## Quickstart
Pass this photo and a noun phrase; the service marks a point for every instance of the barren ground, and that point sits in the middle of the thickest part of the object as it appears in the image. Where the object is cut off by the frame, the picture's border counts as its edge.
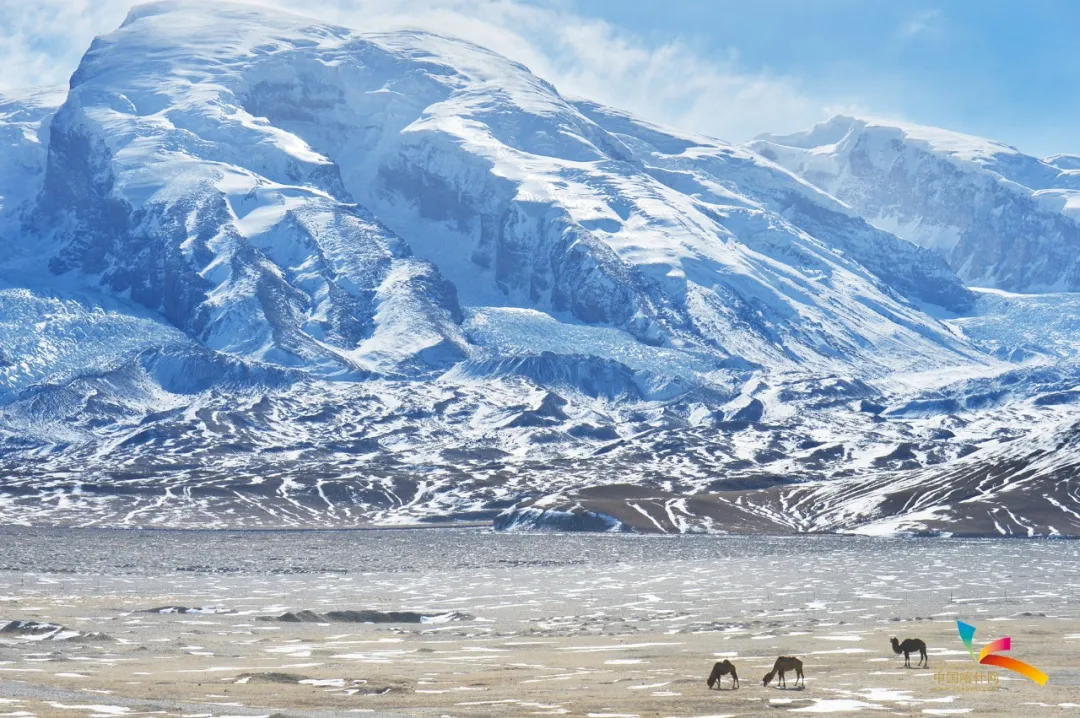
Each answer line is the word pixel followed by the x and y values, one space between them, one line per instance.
pixel 605 635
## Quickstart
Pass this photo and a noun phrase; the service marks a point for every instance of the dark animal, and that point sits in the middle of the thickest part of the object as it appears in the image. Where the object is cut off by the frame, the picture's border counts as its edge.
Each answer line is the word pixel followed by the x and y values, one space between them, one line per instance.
pixel 722 669
pixel 785 663
pixel 909 646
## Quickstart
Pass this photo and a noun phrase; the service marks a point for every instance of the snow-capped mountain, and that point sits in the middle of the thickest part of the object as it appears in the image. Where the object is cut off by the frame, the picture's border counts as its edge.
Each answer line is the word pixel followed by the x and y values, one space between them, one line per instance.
pixel 226 199
pixel 261 271
pixel 1003 219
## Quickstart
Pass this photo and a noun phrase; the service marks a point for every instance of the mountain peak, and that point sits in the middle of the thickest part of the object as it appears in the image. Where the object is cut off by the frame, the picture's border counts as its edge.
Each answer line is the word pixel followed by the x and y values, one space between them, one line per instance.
pixel 827 132
pixel 994 212
pixel 956 144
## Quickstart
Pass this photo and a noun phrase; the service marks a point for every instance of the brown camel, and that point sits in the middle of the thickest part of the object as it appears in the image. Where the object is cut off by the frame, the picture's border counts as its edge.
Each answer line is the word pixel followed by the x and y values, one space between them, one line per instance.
pixel 909 646
pixel 722 669
pixel 785 663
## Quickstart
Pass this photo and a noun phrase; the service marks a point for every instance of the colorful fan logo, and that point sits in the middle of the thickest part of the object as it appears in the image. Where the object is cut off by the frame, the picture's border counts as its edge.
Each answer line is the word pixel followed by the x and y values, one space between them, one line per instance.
pixel 986 655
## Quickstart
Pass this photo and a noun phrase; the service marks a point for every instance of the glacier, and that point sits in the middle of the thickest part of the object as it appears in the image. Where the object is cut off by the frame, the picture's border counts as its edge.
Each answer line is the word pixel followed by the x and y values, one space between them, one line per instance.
pixel 260 271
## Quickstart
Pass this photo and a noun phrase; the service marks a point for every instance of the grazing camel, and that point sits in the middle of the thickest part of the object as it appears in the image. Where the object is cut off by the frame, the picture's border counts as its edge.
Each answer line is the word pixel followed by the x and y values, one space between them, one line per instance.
pixel 909 646
pixel 722 669
pixel 785 663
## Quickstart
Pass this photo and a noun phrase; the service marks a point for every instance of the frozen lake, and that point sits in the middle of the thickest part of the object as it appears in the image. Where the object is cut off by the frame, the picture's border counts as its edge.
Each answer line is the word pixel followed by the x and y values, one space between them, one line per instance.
pixel 504 575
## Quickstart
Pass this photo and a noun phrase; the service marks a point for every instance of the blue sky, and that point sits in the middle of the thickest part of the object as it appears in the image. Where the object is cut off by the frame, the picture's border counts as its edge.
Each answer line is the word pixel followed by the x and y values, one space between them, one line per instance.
pixel 1004 70
pixel 1007 70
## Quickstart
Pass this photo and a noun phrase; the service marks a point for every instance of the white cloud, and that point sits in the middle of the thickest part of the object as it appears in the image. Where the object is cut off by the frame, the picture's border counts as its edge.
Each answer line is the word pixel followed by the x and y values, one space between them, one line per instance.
pixel 44 40
pixel 925 23
pixel 669 83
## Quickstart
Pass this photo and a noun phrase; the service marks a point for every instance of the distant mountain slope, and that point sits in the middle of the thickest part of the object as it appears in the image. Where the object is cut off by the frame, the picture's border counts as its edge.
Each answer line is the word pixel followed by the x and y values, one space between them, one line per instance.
pixel 701 166
pixel 24 142
pixel 1003 219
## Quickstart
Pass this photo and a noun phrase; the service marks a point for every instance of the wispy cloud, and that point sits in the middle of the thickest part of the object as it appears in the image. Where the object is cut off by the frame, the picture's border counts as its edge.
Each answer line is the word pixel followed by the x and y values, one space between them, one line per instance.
pixel 925 24
pixel 43 41
pixel 667 82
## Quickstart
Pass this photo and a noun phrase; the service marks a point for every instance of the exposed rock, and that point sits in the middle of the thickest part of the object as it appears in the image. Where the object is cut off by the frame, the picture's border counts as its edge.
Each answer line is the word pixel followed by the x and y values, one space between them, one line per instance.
pixel 366 616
